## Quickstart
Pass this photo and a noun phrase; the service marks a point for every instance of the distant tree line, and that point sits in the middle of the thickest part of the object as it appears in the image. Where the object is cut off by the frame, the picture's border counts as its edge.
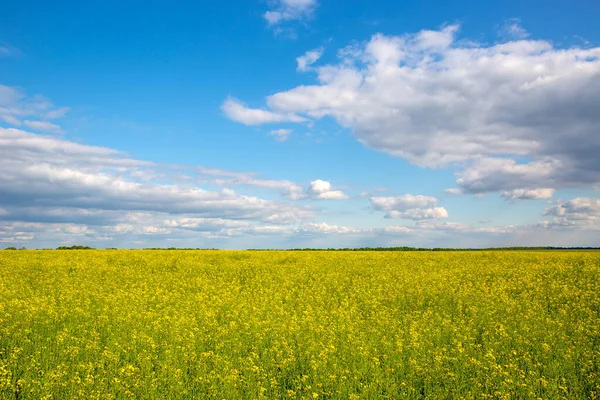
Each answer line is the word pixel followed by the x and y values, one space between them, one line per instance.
pixel 402 248
pixel 406 248
pixel 76 247
pixel 177 248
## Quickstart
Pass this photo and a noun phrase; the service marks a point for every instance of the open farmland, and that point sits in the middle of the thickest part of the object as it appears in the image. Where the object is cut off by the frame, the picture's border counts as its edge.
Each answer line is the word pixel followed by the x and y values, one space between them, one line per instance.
pixel 279 324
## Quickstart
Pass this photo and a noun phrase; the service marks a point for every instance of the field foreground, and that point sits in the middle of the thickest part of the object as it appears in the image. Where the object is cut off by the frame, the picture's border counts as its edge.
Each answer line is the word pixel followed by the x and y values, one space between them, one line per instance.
pixel 222 324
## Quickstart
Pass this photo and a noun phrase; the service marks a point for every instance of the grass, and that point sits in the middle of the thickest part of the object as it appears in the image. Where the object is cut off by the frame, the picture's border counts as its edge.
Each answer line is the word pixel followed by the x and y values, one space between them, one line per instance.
pixel 314 325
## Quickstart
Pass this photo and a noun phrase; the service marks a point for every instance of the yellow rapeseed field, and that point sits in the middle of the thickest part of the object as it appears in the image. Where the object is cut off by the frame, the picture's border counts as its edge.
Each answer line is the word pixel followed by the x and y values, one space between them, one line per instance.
pixel 110 324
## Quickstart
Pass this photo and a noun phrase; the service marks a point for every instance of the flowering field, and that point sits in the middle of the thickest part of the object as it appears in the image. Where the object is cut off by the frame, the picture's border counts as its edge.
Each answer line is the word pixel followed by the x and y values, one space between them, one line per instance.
pixel 218 324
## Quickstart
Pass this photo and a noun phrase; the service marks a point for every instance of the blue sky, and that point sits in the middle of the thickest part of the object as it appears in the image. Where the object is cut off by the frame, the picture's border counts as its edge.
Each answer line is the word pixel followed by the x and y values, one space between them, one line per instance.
pixel 293 123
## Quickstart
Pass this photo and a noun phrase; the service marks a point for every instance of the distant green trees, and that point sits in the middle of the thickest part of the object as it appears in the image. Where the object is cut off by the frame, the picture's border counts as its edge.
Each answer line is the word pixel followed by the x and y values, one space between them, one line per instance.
pixel 75 247
pixel 176 248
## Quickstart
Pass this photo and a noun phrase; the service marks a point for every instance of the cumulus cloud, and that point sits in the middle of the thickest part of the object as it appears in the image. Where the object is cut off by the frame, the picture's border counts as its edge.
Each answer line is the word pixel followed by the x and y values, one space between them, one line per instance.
pixel 494 174
pixel 436 101
pixel 238 112
pixel 281 135
pixel 289 10
pixel 325 228
pixel 402 203
pixel 306 61
pixel 409 206
pixel 579 216
pixel 578 209
pixel 323 190
pixel 528 194
pixel 419 213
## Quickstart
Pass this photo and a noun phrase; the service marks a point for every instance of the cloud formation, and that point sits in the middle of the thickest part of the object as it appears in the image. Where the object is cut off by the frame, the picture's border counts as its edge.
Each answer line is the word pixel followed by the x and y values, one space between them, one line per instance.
pixel 15 105
pixel 528 194
pixel 325 228
pixel 409 206
pixel 58 191
pixel 238 112
pixel 437 101
pixel 401 203
pixel 323 190
pixel 289 10
pixel 513 30
pixel 419 213
pixel 43 126
pixel 581 212
pixel 281 135
pixel 51 180
pixel 306 61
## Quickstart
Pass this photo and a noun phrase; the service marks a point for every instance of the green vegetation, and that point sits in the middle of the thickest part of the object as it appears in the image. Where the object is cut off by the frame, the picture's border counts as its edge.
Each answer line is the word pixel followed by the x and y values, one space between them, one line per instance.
pixel 76 247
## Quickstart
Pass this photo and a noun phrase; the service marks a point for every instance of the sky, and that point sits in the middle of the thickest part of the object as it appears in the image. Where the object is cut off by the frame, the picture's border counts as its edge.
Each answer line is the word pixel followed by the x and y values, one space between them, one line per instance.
pixel 299 123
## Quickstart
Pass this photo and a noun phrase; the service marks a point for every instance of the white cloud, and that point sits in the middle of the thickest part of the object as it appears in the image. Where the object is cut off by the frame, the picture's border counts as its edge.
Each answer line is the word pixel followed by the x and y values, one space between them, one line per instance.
pixel 581 208
pixel 323 227
pixel 581 214
pixel 43 126
pixel 289 218
pixel 57 113
pixel 306 61
pixel 55 191
pixel 288 189
pixel 419 213
pixel 294 192
pixel 408 206
pixel 528 194
pixel 512 29
pixel 290 10
pixel 9 119
pixel 441 227
pixel 402 203
pixel 153 230
pixel 453 191
pixel 332 195
pixel 281 135
pixel 238 112
pixel 51 180
pixel 16 105
pixel 493 174
pixel 394 230
pixel 435 100
pixel 204 224
pixel 324 190
pixel 318 189
pixel 269 230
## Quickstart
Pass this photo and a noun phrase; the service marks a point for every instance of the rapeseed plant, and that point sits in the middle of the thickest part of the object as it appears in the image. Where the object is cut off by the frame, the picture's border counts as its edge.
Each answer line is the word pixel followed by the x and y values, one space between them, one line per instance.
pixel 304 325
